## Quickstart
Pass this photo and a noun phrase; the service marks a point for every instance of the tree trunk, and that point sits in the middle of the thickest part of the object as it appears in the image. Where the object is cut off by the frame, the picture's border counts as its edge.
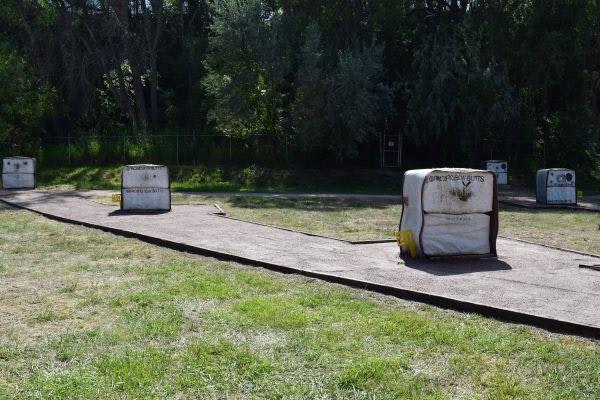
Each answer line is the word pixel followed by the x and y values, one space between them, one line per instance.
pixel 152 33
pixel 125 97
pixel 136 78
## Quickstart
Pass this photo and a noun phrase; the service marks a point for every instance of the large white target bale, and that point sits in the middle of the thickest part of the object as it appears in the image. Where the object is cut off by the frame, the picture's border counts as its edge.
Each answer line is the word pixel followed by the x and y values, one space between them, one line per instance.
pixel 500 168
pixel 451 211
pixel 145 187
pixel 556 186
pixel 19 173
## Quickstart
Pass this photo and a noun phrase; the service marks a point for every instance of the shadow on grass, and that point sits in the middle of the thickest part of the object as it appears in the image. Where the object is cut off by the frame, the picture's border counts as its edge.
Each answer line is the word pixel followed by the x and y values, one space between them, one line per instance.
pixel 81 177
pixel 308 204
pixel 252 178
pixel 529 210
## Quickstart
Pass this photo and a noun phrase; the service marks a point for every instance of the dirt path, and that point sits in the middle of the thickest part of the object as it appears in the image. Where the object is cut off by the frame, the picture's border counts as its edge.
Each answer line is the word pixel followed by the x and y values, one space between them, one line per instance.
pixel 527 283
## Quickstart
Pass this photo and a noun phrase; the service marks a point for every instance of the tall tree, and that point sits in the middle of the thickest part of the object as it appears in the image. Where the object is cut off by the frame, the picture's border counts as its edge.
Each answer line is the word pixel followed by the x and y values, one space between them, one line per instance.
pixel 24 100
pixel 455 97
pixel 247 64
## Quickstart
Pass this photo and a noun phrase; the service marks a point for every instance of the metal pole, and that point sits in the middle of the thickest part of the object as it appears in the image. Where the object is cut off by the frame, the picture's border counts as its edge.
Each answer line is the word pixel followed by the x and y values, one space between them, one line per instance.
pixel 69 146
pixel 194 147
pixel 287 160
pixel 400 146
pixel 381 154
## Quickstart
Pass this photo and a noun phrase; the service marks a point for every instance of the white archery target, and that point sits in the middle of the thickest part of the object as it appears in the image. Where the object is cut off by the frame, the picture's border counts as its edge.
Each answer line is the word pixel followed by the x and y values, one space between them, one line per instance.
pixel 452 192
pixel 500 168
pixel 18 173
pixel 145 176
pixel 556 186
pixel 450 211
pixel 451 234
pixel 145 187
pixel 146 199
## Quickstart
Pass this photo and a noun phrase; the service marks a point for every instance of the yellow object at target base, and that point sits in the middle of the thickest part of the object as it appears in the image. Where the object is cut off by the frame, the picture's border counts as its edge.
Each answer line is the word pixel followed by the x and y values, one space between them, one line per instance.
pixel 405 240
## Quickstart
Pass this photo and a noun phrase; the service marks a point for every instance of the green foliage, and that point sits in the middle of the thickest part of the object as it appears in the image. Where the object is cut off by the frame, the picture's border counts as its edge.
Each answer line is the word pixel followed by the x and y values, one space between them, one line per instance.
pixel 246 63
pixel 462 80
pixel 455 94
pixel 310 101
pixel 339 108
pixel 24 101
pixel 358 100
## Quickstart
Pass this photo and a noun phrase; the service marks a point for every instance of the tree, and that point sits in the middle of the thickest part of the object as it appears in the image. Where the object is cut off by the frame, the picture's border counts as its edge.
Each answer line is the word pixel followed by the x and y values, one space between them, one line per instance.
pixel 24 100
pixel 338 109
pixel 358 99
pixel 310 101
pixel 455 97
pixel 246 67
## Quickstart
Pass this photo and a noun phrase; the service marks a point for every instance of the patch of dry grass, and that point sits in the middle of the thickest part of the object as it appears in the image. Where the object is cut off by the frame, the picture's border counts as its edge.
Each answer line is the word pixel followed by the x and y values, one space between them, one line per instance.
pixel 578 230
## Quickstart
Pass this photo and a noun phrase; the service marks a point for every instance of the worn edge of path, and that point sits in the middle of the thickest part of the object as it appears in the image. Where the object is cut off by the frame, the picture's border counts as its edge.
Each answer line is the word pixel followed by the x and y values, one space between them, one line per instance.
pixel 502 314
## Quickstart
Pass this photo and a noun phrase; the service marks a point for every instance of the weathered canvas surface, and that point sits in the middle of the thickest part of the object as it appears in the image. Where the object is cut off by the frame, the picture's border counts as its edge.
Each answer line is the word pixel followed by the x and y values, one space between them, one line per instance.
pixel 458 192
pixel 18 165
pixel 447 210
pixel 448 234
pixel 146 199
pixel 556 186
pixel 561 195
pixel 145 187
pixel 145 176
pixel 500 168
pixel 18 181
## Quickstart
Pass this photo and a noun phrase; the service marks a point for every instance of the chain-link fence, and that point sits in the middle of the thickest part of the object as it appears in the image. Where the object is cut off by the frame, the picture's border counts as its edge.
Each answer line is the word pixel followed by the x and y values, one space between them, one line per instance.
pixel 189 149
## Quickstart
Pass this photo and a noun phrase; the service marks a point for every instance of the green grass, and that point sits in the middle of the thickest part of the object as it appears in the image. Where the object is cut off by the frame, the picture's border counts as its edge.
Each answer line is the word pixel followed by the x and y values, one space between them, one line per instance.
pixel 212 179
pixel 372 220
pixel 89 315
pixel 351 219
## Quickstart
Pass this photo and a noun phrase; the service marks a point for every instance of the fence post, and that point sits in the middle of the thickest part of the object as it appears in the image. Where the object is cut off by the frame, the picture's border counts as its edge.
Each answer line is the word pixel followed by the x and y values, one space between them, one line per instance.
pixel 287 161
pixel 194 147
pixel 177 138
pixel 69 146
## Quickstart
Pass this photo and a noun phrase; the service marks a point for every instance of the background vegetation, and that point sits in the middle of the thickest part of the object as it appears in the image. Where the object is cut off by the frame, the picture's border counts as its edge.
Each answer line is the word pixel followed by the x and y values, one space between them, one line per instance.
pixel 457 81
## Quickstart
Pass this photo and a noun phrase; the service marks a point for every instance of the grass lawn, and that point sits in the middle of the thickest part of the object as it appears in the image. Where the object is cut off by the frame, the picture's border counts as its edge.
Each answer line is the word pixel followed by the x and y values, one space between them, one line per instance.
pixel 365 220
pixel 212 179
pixel 84 314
